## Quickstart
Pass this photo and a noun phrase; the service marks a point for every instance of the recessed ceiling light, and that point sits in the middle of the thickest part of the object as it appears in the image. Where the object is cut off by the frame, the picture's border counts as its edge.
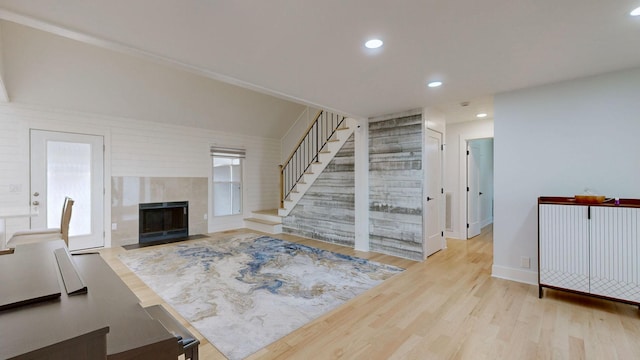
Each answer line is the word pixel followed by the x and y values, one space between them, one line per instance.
pixel 373 43
pixel 481 115
pixel 434 84
pixel 635 12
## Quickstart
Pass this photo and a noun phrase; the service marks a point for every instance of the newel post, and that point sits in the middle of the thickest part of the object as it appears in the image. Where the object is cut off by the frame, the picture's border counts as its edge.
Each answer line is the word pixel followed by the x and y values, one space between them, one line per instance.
pixel 281 187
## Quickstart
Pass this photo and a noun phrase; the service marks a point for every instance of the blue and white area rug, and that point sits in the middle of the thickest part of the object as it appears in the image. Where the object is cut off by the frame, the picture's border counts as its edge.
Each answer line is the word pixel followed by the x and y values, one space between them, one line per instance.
pixel 246 291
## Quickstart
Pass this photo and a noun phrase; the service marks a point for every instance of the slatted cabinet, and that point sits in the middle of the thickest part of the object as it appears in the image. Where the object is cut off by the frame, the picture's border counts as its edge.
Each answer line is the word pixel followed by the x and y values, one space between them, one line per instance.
pixel 564 246
pixel 590 249
pixel 615 253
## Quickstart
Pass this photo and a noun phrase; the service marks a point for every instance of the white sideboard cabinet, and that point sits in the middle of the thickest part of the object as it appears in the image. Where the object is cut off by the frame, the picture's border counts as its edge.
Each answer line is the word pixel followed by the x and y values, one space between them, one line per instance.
pixel 592 249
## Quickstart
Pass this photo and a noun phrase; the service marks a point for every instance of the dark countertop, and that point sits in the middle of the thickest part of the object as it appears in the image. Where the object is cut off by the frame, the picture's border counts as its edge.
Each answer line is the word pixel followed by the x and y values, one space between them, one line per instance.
pixel 609 202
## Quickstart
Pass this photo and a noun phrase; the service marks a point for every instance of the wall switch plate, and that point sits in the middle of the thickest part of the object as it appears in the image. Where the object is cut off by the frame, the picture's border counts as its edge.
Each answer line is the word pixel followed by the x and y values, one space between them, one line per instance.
pixel 205 216
pixel 525 262
pixel 114 226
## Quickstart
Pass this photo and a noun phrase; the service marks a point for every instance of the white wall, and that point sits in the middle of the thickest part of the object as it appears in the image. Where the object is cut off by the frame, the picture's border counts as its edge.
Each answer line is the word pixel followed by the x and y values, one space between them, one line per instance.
pixel 158 121
pixel 136 148
pixel 455 168
pixel 296 131
pixel 3 91
pixel 434 120
pixel 56 72
pixel 558 140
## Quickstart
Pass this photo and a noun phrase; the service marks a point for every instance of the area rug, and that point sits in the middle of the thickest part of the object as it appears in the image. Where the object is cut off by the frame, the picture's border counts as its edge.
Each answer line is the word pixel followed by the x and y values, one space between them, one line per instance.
pixel 246 291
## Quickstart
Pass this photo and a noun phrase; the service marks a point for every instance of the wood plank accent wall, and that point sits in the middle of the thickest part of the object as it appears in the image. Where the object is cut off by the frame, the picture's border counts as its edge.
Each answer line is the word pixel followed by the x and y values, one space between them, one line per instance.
pixel 395 186
pixel 326 211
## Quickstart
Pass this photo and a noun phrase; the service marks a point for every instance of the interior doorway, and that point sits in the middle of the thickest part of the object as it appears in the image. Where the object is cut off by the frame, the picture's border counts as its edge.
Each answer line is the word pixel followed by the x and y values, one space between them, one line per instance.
pixel 479 185
pixel 433 202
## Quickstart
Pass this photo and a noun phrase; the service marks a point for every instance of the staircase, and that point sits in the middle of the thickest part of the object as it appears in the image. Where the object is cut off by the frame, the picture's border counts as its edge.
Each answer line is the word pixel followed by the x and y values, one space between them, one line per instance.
pixel 267 221
pixel 321 142
pixel 314 152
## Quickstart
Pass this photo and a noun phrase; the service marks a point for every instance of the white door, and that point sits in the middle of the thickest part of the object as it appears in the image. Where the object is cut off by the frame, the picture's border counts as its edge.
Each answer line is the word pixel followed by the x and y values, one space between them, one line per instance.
pixel 473 190
pixel 433 229
pixel 67 164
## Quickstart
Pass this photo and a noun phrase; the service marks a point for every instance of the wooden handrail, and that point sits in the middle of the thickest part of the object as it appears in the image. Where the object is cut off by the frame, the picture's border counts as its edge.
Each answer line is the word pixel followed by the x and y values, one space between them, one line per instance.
pixel 304 136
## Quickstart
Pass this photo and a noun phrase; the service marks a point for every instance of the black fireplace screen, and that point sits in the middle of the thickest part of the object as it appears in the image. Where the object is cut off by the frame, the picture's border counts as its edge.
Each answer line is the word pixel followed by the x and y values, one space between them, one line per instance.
pixel 163 221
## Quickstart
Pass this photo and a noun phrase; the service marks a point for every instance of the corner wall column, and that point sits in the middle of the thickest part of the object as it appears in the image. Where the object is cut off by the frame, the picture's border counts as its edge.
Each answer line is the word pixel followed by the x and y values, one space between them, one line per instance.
pixel 361 158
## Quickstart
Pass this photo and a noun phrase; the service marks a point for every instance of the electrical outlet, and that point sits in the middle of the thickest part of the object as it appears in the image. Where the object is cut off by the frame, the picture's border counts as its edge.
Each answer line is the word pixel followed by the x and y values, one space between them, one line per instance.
pixel 525 262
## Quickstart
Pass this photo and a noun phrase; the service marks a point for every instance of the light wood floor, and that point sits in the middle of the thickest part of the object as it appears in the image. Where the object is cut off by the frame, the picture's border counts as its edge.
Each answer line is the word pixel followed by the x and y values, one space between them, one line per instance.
pixel 448 307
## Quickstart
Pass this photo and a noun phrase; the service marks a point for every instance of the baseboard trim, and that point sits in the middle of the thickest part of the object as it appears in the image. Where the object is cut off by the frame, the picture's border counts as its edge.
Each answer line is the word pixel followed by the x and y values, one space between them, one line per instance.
pixel 519 275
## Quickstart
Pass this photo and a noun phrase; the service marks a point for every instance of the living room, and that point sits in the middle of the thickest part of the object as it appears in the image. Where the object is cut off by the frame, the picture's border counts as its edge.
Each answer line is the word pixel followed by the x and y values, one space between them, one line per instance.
pixel 158 121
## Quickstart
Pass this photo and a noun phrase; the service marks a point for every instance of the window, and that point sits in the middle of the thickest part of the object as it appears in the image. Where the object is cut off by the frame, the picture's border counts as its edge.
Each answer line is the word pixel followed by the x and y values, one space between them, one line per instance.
pixel 227 181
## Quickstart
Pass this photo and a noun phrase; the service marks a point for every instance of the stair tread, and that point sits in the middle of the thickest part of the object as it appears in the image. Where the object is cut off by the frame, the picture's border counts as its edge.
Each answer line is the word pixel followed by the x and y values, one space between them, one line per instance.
pixel 294 195
pixel 265 222
pixel 267 212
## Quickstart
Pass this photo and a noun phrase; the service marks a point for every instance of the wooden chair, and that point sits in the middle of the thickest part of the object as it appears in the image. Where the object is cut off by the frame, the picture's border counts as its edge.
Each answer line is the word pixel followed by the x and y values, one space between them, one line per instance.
pixel 37 235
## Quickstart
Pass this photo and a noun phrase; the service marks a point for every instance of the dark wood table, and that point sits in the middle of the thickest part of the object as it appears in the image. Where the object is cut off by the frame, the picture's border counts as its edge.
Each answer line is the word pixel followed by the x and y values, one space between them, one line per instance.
pixel 106 322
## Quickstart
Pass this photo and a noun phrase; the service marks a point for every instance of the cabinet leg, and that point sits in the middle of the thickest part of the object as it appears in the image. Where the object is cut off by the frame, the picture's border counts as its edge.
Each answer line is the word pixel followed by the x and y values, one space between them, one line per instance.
pixel 539 292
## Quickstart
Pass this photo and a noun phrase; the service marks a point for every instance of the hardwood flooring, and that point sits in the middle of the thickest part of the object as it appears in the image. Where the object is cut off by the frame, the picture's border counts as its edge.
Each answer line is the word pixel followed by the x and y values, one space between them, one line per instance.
pixel 448 307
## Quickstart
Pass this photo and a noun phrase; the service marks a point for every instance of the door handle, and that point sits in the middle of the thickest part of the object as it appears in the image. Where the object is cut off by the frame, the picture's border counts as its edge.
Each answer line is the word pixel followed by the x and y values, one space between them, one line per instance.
pixel 36 194
pixel 481 193
pixel 36 203
pixel 429 198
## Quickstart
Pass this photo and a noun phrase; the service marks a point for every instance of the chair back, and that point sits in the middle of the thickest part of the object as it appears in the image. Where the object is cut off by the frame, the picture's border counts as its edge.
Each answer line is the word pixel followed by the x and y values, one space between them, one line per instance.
pixel 66 219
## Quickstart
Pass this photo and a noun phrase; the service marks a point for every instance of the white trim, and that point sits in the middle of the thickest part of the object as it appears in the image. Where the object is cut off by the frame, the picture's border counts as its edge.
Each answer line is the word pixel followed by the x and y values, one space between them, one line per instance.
pixel 30 123
pixel 4 95
pixel 518 275
pixel 462 199
pixel 412 112
pixel 361 182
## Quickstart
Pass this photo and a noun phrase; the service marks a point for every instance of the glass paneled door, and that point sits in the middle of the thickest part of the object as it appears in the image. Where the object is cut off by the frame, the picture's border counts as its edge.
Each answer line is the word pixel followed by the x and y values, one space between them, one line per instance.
pixel 68 164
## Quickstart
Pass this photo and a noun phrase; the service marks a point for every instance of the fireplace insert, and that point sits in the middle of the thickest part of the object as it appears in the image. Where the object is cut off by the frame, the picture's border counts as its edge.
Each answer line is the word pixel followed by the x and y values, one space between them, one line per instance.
pixel 163 221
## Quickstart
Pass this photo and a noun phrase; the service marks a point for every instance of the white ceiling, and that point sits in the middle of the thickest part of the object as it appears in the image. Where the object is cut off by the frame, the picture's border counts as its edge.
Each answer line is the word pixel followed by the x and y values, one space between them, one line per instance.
pixel 312 51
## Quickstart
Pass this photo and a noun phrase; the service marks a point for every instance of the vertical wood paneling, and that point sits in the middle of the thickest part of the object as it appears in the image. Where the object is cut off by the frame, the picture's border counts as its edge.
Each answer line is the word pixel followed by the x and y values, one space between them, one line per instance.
pixel 615 252
pixel 564 246
pixel 13 159
pixel 326 211
pixel 395 186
